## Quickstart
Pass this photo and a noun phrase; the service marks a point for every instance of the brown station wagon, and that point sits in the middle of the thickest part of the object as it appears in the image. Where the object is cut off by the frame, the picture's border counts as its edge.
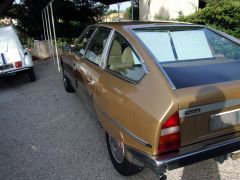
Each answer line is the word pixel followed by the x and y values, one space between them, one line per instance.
pixel 167 94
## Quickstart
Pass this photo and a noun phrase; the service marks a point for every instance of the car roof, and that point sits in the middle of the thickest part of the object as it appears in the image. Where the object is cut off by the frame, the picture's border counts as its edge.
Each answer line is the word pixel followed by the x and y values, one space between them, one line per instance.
pixel 141 23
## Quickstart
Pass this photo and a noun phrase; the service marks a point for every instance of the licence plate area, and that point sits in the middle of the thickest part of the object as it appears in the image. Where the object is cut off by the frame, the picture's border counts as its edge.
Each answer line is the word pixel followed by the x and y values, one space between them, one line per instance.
pixel 224 120
pixel 6 66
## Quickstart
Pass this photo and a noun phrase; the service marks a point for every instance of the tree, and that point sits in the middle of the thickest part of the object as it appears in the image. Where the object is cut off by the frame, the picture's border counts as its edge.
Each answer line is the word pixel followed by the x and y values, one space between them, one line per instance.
pixel 128 12
pixel 71 16
pixel 4 4
pixel 220 14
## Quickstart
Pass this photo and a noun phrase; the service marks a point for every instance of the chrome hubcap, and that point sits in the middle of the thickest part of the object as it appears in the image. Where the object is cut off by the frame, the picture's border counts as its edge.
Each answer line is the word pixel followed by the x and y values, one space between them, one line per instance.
pixel 117 149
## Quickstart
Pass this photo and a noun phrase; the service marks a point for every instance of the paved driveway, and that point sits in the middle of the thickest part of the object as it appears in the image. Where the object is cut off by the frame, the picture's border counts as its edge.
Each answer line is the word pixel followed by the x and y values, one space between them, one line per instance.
pixel 46 133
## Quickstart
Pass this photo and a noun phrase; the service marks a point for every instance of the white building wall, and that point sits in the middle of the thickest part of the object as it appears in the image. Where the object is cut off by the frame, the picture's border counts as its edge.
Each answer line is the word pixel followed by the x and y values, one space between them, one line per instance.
pixel 166 8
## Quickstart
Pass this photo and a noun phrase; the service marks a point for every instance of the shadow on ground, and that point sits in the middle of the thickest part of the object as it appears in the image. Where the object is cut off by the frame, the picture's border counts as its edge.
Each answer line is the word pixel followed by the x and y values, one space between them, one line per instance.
pixel 204 170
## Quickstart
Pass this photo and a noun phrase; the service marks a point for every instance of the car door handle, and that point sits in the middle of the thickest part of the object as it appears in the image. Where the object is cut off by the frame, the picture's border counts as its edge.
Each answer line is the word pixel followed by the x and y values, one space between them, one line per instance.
pixel 89 79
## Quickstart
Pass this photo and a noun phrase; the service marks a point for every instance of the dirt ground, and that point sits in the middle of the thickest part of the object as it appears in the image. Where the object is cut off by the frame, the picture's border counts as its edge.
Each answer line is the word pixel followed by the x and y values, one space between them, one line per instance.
pixel 46 133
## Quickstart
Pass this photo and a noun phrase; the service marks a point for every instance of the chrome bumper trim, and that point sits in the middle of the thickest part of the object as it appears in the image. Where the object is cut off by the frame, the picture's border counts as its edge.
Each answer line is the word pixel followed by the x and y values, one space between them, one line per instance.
pixel 12 71
pixel 160 164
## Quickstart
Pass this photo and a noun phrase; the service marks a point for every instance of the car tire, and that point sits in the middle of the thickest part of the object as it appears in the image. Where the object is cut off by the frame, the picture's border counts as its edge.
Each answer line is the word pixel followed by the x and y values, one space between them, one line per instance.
pixel 67 84
pixel 31 75
pixel 123 163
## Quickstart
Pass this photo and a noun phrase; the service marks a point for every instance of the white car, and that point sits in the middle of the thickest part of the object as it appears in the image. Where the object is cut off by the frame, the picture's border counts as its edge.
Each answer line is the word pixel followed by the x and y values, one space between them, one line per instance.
pixel 13 57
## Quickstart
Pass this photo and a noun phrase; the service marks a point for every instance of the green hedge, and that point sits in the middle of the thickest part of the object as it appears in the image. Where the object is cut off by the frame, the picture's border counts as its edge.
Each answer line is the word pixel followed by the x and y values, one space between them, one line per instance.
pixel 223 15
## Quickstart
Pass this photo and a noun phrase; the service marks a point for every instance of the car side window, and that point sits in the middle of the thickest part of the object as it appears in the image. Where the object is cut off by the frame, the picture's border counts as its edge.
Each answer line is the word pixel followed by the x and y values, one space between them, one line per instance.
pixel 81 43
pixel 96 46
pixel 123 61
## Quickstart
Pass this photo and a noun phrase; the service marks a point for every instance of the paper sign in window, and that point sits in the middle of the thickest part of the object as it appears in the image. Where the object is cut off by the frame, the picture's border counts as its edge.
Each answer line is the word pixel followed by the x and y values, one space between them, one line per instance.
pixel 191 45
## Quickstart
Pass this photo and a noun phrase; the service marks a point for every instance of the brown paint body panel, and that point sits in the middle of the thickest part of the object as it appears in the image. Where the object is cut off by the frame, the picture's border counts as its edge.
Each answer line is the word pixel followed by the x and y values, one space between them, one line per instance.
pixel 134 108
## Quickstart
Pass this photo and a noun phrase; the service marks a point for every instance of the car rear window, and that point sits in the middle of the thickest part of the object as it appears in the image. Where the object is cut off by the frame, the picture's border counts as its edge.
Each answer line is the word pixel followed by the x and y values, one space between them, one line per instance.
pixel 192 56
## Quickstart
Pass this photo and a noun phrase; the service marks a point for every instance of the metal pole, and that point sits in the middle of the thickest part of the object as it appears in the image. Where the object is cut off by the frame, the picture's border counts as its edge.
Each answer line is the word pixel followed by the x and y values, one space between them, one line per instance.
pixel 49 49
pixel 44 30
pixel 45 23
pixel 54 36
pixel 118 4
pixel 132 9
pixel 50 30
pixel 149 4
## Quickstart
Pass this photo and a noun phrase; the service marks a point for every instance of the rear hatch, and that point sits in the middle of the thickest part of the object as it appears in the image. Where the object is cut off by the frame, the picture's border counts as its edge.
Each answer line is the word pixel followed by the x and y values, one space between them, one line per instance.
pixel 208 111
pixel 203 67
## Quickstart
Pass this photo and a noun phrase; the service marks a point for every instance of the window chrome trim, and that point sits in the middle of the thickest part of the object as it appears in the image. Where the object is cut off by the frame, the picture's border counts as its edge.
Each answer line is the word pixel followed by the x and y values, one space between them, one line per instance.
pixel 106 50
pixel 123 129
pixel 207 108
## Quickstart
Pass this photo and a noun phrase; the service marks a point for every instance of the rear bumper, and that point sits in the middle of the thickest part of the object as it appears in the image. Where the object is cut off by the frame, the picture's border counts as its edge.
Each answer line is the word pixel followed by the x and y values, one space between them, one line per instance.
pixel 160 164
pixel 13 71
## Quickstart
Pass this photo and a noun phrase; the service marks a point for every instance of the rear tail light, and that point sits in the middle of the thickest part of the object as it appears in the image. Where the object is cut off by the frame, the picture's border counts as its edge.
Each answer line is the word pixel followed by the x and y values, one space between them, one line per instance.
pixel 170 135
pixel 18 64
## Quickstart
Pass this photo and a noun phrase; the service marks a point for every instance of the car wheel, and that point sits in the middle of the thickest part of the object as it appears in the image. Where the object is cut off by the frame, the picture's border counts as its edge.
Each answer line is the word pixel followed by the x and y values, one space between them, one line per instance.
pixel 67 84
pixel 31 75
pixel 121 159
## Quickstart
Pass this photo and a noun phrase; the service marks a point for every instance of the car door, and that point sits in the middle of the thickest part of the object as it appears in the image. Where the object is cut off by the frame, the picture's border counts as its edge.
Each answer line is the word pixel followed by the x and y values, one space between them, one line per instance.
pixel 74 54
pixel 120 89
pixel 77 56
pixel 88 67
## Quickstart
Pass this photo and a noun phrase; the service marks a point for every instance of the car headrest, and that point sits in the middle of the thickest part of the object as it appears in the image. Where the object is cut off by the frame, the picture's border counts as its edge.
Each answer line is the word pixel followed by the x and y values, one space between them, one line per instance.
pixel 127 56
pixel 116 49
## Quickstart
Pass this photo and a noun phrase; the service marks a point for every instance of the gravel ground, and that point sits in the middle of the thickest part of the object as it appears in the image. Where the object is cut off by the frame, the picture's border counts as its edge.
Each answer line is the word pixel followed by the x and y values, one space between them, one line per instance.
pixel 46 133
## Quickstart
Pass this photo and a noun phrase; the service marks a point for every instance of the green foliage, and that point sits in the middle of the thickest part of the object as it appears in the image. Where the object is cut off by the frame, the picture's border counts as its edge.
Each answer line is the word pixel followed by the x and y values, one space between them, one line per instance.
pixel 223 15
pixel 28 42
pixel 128 13
pixel 61 42
pixel 71 16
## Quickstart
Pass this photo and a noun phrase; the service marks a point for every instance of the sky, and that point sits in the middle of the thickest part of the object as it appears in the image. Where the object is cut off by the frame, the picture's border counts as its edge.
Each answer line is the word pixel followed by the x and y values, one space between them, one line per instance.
pixel 123 6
